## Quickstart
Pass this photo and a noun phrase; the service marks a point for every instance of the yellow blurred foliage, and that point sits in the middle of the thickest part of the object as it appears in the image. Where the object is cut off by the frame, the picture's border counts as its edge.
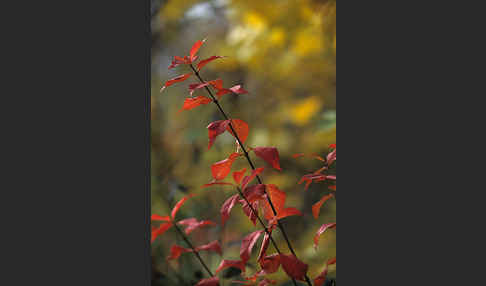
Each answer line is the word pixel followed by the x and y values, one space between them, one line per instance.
pixel 305 109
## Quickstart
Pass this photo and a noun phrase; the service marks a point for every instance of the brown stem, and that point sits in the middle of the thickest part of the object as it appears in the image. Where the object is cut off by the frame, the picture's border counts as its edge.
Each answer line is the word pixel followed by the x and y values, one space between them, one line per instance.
pixel 193 249
pixel 280 225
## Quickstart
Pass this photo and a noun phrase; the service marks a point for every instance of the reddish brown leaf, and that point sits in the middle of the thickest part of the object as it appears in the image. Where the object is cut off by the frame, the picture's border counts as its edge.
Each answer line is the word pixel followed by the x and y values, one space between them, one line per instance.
pixel 333 187
pixel 179 205
pixel 160 230
pixel 241 128
pixel 247 245
pixel 269 154
pixel 277 197
pixel 206 61
pixel 293 267
pixel 321 230
pixel 222 168
pixel 231 263
pixel 193 224
pixel 158 217
pixel 270 263
pixel 298 155
pixel 248 212
pixel 213 246
pixel 309 178
pixel 238 175
pixel 316 208
pixel 265 243
pixel 176 251
pixel 216 183
pixel 213 281
pixel 216 128
pixel 254 193
pixel 226 208
pixel 248 179
pixel 192 102
pixel 174 80
pixel 195 49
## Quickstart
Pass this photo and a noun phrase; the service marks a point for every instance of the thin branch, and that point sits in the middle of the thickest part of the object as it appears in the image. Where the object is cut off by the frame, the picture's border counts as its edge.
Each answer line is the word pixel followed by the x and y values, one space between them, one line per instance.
pixel 193 249
pixel 280 225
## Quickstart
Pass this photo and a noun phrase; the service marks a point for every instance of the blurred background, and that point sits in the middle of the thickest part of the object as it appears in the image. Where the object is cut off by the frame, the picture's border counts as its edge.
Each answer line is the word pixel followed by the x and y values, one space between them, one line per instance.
pixel 284 54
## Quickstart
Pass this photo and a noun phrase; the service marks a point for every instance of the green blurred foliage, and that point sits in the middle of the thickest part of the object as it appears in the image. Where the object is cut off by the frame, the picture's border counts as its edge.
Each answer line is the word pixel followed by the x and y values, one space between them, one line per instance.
pixel 284 54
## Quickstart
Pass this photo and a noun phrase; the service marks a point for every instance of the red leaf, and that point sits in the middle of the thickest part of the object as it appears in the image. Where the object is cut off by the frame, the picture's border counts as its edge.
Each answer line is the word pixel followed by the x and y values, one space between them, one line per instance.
pixel 213 246
pixel 195 49
pixel 247 245
pixel 222 168
pixel 269 154
pixel 254 193
pixel 237 89
pixel 226 208
pixel 174 80
pixel 216 183
pixel 316 208
pixel 309 178
pixel 298 155
pixel 293 266
pixel 158 217
pixel 333 187
pixel 331 177
pixel 160 230
pixel 206 61
pixel 215 83
pixel 321 230
pixel 278 200
pixel 332 146
pixel 176 251
pixel 241 128
pixel 231 263
pixel 321 279
pixel 248 179
pixel 213 281
pixel 331 157
pixel 192 224
pixel 192 102
pixel 270 263
pixel 179 205
pixel 238 175
pixel 216 128
pixel 331 261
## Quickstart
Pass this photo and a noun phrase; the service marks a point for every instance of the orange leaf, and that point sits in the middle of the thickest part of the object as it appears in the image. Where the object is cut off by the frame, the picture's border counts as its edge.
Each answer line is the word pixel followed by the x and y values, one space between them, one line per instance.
pixel 269 154
pixel 222 168
pixel 179 205
pixel 321 230
pixel 213 281
pixel 174 80
pixel 241 128
pixel 206 61
pixel 216 128
pixel 331 261
pixel 247 245
pixel 192 102
pixel 195 49
pixel 277 197
pixel 293 266
pixel 238 175
pixel 317 206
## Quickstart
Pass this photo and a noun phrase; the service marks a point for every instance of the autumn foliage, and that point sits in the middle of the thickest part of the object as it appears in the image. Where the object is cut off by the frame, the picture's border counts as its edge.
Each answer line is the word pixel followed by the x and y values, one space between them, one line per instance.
pixel 263 204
